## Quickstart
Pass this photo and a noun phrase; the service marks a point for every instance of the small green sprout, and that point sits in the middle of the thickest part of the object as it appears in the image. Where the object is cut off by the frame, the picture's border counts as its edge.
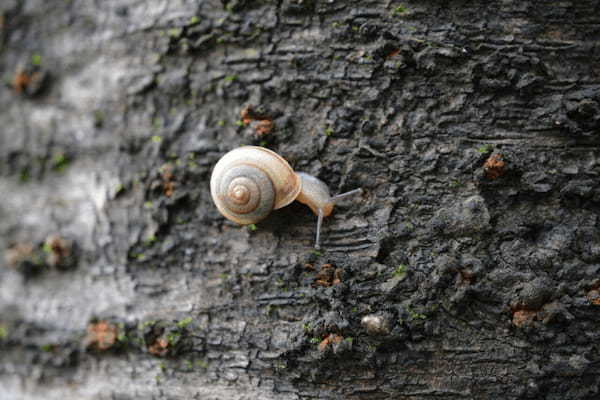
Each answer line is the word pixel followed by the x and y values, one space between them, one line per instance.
pixel 252 227
pixel 328 131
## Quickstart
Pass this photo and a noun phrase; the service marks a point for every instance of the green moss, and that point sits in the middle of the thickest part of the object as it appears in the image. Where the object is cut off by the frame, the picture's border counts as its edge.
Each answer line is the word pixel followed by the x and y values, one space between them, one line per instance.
pixel 3 332
pixel 60 162
pixel 251 227
pixel 24 176
pixel 175 32
pixel 148 205
pixel 400 10
pixel 156 139
pixel 36 60
pixel 98 118
pixel 230 78
pixel 414 315
pixel 47 347
pixel 315 340
pixel 173 338
pixel 280 365
pixel 328 131
pixel 46 248
pixel 122 337
pixel 143 325
pixel 400 270
pixel 486 148
pixel 157 122
pixel 194 20
pixel 221 122
pixel 184 322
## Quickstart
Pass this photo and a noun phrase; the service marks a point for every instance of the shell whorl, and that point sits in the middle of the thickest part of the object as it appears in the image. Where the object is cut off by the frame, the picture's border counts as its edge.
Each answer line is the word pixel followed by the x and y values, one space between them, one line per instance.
pixel 250 181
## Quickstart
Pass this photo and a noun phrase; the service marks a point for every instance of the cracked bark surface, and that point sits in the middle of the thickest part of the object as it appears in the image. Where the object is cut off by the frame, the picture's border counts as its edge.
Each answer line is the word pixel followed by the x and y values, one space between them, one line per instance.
pixel 474 252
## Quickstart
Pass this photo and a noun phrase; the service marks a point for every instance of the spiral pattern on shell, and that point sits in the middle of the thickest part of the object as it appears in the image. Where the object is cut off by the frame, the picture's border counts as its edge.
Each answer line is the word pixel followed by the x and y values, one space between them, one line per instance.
pixel 248 182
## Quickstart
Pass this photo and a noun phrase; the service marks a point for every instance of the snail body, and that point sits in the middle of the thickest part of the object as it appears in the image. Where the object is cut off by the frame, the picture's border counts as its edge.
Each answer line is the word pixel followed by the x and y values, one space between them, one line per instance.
pixel 250 181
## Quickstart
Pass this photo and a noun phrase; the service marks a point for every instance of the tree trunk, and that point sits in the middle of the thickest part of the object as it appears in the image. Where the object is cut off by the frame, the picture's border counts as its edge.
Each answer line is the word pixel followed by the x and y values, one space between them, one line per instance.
pixel 468 268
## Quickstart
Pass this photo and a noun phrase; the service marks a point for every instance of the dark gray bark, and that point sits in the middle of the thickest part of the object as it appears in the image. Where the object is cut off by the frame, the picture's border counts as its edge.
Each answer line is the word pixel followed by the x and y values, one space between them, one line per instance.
pixel 474 252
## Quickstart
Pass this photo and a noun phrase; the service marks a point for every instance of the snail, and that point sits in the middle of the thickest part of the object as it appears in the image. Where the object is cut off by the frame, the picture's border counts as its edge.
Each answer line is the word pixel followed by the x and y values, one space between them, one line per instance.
pixel 250 181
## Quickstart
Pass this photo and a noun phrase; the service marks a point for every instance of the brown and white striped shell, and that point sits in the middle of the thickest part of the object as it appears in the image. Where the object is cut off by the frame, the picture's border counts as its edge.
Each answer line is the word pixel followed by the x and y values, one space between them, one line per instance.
pixel 250 181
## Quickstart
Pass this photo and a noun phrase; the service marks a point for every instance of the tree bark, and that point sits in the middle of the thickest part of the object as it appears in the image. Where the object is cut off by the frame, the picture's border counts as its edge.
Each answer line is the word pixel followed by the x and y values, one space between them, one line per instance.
pixel 468 268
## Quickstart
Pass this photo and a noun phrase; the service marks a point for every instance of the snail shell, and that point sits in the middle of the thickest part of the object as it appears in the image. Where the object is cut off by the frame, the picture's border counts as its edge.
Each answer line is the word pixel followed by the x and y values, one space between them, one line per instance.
pixel 250 181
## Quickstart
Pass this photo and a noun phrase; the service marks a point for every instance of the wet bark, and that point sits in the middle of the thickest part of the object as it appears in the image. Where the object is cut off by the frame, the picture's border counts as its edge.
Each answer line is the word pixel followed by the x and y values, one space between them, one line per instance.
pixel 468 268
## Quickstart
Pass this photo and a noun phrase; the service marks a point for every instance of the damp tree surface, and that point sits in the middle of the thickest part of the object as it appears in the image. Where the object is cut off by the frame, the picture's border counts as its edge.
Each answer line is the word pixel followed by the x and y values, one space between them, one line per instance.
pixel 467 269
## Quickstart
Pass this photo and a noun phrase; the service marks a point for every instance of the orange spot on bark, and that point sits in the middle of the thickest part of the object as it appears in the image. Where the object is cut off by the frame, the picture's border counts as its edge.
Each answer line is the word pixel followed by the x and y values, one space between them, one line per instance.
pixel 494 166
pixel 101 335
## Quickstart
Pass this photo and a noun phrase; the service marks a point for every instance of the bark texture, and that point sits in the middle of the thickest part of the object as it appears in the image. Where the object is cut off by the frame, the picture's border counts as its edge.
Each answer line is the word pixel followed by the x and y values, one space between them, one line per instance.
pixel 468 269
